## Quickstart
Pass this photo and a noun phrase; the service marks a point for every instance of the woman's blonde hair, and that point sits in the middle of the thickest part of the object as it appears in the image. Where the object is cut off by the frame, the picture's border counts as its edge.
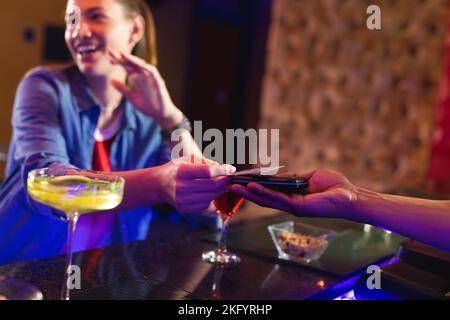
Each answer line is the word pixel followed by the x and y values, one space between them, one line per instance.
pixel 146 47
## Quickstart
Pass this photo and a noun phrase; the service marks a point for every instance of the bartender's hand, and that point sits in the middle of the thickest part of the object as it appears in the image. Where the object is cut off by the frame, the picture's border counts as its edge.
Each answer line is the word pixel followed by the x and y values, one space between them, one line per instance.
pixel 146 89
pixel 190 184
pixel 330 195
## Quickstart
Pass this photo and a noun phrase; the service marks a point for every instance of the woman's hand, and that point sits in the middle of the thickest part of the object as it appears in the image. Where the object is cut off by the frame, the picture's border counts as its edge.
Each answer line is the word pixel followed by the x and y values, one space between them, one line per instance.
pixel 146 90
pixel 191 186
pixel 330 194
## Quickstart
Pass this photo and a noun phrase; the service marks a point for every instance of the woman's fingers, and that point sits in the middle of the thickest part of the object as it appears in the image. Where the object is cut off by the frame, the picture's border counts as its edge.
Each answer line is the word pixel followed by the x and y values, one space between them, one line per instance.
pixel 194 158
pixel 198 197
pixel 209 161
pixel 129 66
pixel 117 59
pixel 140 66
pixel 139 63
pixel 217 183
pixel 222 170
pixel 130 61
pixel 204 171
pixel 123 88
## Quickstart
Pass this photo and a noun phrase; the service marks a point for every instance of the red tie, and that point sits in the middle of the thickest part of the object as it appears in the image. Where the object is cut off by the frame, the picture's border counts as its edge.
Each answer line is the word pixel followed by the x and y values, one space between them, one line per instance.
pixel 100 162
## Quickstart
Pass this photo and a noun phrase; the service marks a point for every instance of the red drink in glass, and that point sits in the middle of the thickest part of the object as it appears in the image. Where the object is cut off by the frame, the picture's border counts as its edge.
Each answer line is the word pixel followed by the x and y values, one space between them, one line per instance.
pixel 227 205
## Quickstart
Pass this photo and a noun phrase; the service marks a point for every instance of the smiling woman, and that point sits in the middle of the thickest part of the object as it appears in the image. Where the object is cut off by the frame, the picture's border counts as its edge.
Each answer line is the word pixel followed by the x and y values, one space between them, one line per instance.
pixel 105 113
pixel 119 25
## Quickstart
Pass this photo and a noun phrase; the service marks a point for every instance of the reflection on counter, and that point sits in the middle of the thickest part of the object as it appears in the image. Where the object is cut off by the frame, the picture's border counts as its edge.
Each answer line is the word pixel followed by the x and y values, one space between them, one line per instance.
pixel 215 293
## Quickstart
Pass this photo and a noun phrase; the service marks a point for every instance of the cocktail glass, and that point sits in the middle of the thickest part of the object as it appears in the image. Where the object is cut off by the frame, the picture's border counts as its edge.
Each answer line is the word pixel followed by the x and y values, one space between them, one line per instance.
pixel 226 206
pixel 74 192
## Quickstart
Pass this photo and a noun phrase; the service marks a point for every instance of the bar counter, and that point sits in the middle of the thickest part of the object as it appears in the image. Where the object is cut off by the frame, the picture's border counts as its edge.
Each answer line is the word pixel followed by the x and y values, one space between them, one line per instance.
pixel 168 265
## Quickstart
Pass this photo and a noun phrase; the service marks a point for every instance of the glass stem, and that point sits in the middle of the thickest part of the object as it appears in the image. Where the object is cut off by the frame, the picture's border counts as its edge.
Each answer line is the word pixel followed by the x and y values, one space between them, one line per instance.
pixel 72 218
pixel 223 235
pixel 215 294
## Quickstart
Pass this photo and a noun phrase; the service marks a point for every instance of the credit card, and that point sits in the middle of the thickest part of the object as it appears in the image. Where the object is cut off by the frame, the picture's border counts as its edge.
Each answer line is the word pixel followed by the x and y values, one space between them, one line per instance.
pixel 264 171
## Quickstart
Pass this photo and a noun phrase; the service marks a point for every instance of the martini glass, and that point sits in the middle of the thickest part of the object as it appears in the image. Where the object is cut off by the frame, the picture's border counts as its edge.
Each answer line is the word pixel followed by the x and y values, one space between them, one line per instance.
pixel 226 206
pixel 74 192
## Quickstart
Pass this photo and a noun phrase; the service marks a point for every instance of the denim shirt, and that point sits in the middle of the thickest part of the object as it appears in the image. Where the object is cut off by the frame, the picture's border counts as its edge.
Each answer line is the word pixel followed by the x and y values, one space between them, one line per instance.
pixel 54 118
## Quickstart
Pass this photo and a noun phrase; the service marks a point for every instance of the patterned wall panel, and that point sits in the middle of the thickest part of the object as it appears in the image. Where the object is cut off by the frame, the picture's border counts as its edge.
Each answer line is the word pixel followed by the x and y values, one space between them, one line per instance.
pixel 357 100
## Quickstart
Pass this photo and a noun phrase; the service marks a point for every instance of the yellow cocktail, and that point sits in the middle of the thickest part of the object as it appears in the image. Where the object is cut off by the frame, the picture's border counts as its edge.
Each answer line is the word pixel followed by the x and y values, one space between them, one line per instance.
pixel 75 192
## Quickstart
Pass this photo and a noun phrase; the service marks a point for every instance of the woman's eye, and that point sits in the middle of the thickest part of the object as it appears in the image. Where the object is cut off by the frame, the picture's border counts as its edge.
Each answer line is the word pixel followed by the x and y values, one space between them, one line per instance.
pixel 97 17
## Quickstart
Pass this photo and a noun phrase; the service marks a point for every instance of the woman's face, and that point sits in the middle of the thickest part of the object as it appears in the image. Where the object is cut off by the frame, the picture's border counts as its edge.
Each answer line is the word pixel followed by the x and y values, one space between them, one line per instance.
pixel 92 28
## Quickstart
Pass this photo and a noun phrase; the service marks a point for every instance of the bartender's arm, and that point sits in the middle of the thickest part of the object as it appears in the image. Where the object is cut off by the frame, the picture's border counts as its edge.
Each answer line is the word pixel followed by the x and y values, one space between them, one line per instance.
pixel 332 195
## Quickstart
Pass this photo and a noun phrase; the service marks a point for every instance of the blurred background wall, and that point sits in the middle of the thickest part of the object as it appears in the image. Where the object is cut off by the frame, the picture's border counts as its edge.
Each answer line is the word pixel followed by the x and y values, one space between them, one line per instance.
pixel 22 30
pixel 360 101
pixel 357 100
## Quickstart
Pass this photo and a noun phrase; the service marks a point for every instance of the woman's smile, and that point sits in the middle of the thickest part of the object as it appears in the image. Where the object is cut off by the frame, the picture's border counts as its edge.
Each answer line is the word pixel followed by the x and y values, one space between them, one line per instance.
pixel 88 52
pixel 92 28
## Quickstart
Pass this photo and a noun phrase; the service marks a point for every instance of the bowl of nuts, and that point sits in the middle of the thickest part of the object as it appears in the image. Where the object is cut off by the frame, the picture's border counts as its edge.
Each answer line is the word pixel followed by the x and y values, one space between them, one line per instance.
pixel 300 242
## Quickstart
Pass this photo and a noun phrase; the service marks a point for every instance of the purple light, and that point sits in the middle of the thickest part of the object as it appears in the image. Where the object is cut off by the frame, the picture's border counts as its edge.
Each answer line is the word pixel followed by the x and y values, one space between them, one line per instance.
pixel 350 295
pixel 347 296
